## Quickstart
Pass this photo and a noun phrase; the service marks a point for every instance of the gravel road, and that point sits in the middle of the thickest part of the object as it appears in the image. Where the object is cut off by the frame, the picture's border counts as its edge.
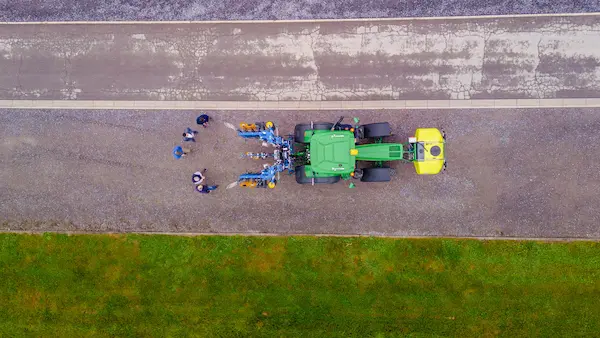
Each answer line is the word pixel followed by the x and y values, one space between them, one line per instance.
pixel 529 172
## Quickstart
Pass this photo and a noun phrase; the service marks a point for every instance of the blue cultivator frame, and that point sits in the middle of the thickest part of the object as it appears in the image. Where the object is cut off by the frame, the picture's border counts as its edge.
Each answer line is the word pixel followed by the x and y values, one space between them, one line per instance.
pixel 282 154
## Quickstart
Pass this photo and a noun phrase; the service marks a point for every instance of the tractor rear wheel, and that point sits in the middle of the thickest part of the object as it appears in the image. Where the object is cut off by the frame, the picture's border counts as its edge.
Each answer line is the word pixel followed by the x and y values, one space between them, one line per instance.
pixel 376 175
pixel 376 130
pixel 301 129
pixel 301 177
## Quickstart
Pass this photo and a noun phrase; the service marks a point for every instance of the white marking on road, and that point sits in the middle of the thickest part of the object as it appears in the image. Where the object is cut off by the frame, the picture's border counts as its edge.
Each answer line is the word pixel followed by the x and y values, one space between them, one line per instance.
pixel 70 93
pixel 6 50
pixel 302 105
pixel 13 143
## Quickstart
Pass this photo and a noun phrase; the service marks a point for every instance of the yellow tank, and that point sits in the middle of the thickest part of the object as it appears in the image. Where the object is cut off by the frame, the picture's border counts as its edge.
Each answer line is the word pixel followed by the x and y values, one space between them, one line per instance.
pixel 430 151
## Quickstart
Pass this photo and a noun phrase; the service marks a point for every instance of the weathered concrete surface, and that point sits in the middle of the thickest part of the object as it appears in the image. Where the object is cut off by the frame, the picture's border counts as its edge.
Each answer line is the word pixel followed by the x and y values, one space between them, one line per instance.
pixel 82 10
pixel 529 172
pixel 542 57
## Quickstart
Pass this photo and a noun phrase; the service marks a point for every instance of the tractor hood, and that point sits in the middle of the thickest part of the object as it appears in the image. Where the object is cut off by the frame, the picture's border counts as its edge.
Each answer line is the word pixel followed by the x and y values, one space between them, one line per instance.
pixel 430 152
pixel 330 152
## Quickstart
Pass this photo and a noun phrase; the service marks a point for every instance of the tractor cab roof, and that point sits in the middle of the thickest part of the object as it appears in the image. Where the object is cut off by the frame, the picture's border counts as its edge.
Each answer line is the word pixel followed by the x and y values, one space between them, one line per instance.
pixel 330 152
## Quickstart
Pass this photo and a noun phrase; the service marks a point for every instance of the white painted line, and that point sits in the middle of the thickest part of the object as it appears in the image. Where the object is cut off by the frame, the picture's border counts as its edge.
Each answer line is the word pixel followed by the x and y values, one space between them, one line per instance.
pixel 269 234
pixel 529 102
pixel 575 102
pixel 437 104
pixel 483 103
pixel 550 103
pixel 417 104
pixel 433 18
pixel 9 104
pixel 303 105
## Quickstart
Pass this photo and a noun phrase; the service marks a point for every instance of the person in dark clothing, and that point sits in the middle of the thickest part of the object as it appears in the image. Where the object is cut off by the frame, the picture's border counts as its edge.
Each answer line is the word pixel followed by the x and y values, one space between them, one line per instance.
pixel 203 120
pixel 189 135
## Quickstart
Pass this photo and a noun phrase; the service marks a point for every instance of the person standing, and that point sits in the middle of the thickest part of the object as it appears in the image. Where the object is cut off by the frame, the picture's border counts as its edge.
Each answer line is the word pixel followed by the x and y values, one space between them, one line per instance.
pixel 189 135
pixel 202 120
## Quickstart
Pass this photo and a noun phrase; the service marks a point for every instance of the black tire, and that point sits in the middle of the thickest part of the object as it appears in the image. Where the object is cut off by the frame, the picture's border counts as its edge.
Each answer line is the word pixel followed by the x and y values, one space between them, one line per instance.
pixel 376 175
pixel 376 130
pixel 302 179
pixel 300 129
pixel 327 180
pixel 301 175
pixel 358 173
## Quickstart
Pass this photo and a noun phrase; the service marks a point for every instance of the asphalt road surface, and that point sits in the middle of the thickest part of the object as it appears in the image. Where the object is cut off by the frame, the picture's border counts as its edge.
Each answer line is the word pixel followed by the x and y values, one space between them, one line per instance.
pixel 66 10
pixel 531 173
pixel 474 58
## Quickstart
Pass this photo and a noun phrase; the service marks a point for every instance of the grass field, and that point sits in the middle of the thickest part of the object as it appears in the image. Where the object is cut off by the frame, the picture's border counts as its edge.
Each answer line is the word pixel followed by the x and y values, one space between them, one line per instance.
pixel 135 285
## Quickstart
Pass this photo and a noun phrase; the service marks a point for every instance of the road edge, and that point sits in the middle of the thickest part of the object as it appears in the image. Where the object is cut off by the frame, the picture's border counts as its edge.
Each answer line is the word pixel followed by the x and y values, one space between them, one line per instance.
pixel 256 234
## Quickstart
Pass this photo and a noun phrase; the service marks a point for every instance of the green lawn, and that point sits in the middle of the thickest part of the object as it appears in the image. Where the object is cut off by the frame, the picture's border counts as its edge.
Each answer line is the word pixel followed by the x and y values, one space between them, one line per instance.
pixel 134 285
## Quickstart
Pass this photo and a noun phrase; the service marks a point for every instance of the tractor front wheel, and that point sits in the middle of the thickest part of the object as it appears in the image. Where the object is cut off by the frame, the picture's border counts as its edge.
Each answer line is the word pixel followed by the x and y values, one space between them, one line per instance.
pixel 301 129
pixel 377 130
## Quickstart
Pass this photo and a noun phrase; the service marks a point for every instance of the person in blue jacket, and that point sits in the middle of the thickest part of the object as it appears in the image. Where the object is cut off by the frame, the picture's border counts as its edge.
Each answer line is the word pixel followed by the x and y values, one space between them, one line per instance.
pixel 179 152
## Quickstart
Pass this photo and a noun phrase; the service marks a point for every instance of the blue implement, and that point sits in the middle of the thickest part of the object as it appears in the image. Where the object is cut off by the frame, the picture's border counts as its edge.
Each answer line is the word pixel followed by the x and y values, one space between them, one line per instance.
pixel 281 155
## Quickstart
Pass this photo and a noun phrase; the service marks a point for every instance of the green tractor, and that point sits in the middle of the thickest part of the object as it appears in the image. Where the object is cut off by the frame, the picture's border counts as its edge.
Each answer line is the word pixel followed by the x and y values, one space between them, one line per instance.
pixel 324 153
pixel 327 152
